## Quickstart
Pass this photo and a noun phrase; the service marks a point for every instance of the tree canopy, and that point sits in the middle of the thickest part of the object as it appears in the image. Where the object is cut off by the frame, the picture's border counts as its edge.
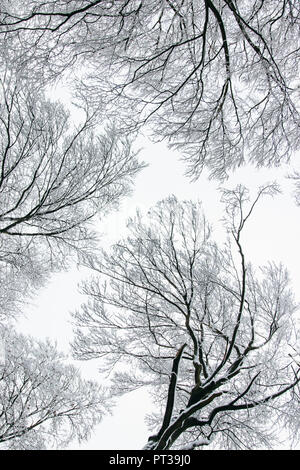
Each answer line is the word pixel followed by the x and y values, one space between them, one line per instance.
pixel 219 79
pixel 44 403
pixel 54 178
pixel 210 335
pixel 214 337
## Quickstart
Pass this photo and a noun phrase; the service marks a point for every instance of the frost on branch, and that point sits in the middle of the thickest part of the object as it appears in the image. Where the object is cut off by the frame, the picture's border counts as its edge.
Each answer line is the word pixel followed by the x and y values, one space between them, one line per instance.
pixel 212 337
pixel 217 79
pixel 44 403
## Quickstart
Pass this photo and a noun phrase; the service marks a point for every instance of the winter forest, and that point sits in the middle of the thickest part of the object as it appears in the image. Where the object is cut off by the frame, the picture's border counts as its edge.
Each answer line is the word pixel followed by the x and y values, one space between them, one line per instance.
pixel 151 148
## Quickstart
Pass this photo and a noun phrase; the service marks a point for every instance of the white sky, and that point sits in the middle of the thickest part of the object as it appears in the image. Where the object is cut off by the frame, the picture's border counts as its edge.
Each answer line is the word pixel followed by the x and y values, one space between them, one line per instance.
pixel 272 234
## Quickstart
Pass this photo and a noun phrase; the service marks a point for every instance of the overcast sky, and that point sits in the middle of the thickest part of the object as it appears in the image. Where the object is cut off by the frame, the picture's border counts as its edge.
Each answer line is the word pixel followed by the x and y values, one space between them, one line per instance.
pixel 273 233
